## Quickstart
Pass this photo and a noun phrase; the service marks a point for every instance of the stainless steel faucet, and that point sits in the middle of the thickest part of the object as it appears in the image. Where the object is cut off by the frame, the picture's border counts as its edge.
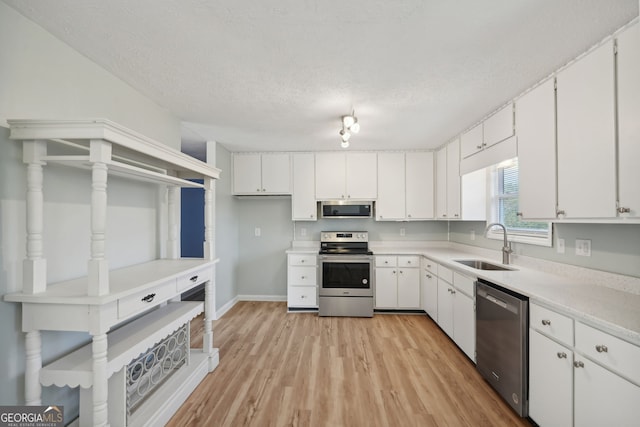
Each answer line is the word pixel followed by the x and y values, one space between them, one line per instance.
pixel 506 247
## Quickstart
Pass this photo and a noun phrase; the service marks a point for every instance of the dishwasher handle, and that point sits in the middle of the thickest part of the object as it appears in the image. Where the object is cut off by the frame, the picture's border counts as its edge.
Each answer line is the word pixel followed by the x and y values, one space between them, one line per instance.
pixel 496 301
pixel 506 305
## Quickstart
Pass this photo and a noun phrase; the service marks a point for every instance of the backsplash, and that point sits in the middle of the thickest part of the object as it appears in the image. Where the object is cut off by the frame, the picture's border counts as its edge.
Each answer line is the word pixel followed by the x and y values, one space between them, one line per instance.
pixel 378 230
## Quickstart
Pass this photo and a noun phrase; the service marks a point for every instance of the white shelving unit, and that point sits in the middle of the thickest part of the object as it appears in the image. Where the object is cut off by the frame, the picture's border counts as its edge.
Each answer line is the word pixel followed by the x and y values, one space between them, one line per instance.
pixel 128 310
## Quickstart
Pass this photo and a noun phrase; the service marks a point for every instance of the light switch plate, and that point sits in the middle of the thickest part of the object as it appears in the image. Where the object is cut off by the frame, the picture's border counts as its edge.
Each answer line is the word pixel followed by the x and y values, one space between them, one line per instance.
pixel 402 231
pixel 583 247
pixel 257 232
pixel 560 246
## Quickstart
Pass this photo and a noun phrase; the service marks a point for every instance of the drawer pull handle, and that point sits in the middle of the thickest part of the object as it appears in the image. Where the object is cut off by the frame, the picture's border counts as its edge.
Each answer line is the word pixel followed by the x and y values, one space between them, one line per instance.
pixel 546 322
pixel 578 364
pixel 194 279
pixel 562 355
pixel 602 348
pixel 148 298
pixel 429 276
pixel 302 261
pixel 303 277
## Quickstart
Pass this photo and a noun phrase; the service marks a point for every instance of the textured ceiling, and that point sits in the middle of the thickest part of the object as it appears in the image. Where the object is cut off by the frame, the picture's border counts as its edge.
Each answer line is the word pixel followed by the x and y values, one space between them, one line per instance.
pixel 278 74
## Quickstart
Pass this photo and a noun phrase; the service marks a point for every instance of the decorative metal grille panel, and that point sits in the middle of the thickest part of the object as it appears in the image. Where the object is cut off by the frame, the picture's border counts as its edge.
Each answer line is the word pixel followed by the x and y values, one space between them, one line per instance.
pixel 153 367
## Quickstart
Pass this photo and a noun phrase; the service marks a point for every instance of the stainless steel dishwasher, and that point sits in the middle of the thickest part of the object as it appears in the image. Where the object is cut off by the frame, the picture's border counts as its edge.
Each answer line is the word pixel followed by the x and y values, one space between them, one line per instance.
pixel 502 342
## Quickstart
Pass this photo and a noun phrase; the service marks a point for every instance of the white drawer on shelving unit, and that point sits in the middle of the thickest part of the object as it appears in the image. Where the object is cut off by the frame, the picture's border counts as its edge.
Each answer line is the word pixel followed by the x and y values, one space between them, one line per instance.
pixel 464 283
pixel 386 261
pixel 409 261
pixel 194 278
pixel 302 259
pixel 302 296
pixel 445 274
pixel 302 276
pixel 610 351
pixel 430 266
pixel 146 299
pixel 551 323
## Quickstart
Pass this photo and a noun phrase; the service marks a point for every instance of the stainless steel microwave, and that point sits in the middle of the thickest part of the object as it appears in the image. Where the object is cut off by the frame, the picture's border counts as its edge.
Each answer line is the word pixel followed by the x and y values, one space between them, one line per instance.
pixel 346 209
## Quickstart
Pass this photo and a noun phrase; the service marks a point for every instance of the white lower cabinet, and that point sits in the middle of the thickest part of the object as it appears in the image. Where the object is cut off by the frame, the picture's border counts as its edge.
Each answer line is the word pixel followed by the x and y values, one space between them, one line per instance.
pixel 302 280
pixel 589 380
pixel 429 285
pixel 397 282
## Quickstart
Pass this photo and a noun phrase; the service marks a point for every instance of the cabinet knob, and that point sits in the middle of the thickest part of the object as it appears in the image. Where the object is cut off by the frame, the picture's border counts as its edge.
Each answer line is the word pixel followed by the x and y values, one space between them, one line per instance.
pixel 560 212
pixel 519 214
pixel 484 144
pixel 408 262
pixel 302 261
pixel 303 277
pixel 429 276
pixel 409 216
pixel 546 322
pixel 444 215
pixel 456 215
pixel 386 262
pixel 401 271
pixel 394 272
pixel 623 210
pixel 258 190
pixel 311 216
pixel 601 348
pixel 303 296
pixel 578 364
pixel 479 147
pixel 562 355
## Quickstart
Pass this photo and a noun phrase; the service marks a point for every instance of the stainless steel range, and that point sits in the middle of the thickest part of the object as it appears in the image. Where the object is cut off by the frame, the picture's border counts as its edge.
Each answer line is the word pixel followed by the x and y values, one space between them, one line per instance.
pixel 346 274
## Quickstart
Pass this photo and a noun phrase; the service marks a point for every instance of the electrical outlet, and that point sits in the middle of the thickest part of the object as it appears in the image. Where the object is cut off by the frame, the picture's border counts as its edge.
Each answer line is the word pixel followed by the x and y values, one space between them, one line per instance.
pixel 303 231
pixel 583 247
pixel 472 235
pixel 402 231
pixel 560 246
pixel 257 232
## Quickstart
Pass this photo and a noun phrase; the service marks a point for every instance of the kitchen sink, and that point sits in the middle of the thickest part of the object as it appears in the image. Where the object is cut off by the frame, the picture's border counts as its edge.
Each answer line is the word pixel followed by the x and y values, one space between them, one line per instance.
pixel 483 265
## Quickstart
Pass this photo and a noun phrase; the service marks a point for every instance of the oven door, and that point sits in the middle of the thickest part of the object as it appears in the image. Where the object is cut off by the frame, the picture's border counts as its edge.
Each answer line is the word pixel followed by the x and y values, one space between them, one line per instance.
pixel 346 275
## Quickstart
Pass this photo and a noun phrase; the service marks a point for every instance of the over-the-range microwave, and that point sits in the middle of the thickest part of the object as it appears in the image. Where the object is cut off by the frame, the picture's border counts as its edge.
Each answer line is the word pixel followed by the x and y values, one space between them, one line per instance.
pixel 346 209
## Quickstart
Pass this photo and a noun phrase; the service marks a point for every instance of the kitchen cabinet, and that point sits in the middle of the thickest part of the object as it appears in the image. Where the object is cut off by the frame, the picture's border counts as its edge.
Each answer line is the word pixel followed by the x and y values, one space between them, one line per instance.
pixel 346 176
pixel 302 280
pixel 456 309
pixel 304 206
pixel 448 181
pixel 130 311
pixel 429 283
pixel 628 67
pixel 536 127
pixel 405 186
pixel 586 136
pixel 495 129
pixel 397 282
pixel 261 174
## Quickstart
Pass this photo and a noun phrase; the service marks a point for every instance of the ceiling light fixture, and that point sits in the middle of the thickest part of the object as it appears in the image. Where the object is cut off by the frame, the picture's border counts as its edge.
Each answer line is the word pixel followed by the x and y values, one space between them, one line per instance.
pixel 350 126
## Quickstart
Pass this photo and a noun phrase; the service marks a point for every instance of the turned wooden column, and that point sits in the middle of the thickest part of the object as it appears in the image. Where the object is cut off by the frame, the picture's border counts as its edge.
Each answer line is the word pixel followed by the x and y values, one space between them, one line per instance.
pixel 33 364
pixel 99 155
pixel 100 380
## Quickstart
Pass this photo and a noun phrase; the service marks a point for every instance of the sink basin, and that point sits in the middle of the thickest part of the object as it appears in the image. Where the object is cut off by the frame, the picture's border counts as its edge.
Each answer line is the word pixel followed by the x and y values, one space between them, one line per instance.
pixel 482 265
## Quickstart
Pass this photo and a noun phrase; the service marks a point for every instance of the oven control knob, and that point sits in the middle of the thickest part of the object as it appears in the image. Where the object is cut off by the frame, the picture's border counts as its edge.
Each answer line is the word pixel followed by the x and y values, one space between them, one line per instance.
pixel 365 281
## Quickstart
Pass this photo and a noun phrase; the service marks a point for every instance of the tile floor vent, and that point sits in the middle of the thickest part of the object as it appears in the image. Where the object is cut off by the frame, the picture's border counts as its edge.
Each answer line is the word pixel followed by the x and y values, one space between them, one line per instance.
pixel 147 372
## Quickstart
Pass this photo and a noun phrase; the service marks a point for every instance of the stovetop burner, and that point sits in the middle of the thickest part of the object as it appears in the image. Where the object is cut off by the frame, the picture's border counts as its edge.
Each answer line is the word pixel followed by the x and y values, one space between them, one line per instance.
pixel 344 243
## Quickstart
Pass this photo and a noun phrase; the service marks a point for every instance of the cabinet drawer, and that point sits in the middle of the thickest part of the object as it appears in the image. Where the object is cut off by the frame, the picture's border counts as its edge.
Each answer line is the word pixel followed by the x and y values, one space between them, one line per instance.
pixel 386 261
pixel 302 296
pixel 551 323
pixel 430 266
pixel 303 259
pixel 146 299
pixel 445 274
pixel 187 281
pixel 409 261
pixel 302 276
pixel 610 351
pixel 464 284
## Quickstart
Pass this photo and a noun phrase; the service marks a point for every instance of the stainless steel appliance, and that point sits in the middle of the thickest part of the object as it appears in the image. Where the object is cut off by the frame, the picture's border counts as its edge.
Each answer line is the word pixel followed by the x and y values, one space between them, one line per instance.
pixel 502 342
pixel 346 274
pixel 346 209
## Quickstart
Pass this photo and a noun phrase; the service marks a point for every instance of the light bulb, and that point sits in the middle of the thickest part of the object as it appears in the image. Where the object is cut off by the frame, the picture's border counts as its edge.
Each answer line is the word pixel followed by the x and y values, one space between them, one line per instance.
pixel 348 121
pixel 345 135
pixel 355 127
pixel 344 144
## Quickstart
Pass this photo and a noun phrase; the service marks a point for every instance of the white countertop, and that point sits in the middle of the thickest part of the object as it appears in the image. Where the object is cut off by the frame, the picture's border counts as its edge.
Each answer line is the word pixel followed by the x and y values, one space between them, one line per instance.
pixel 582 296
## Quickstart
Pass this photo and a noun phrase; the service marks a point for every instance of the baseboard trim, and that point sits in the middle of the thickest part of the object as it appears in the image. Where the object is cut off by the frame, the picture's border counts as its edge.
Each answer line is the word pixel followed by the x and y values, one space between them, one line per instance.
pixel 228 306
pixel 262 297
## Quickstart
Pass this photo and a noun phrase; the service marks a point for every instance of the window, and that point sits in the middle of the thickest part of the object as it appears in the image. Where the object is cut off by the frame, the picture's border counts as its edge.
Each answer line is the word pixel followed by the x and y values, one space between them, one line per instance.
pixel 504 208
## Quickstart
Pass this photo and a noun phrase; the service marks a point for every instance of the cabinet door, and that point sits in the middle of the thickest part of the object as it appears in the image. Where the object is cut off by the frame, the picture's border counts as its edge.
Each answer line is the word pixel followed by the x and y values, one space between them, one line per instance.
pixel 464 324
pixel 586 136
pixel 330 176
pixel 391 187
pixel 362 176
pixel 536 126
pixel 276 173
pixel 303 199
pixel 628 121
pixel 441 183
pixel 247 174
pixel 498 127
pixel 419 185
pixel 453 180
pixel 430 294
pixel 445 307
pixel 409 288
pixel 472 141
pixel 386 287
pixel 550 381
pixel 602 398
pixel 473 195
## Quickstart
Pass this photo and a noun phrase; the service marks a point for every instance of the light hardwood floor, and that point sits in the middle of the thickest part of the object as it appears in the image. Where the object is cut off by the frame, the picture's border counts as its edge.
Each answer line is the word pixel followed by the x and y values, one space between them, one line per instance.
pixel 298 369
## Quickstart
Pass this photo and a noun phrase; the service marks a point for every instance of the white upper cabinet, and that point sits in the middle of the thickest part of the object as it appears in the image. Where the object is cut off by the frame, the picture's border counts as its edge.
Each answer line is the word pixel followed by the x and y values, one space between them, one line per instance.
pixel 629 122
pixel 346 176
pixel 536 129
pixel 264 174
pixel 586 136
pixel 493 130
pixel 303 199
pixel 441 183
pixel 405 186
pixel 472 141
pixel 453 180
